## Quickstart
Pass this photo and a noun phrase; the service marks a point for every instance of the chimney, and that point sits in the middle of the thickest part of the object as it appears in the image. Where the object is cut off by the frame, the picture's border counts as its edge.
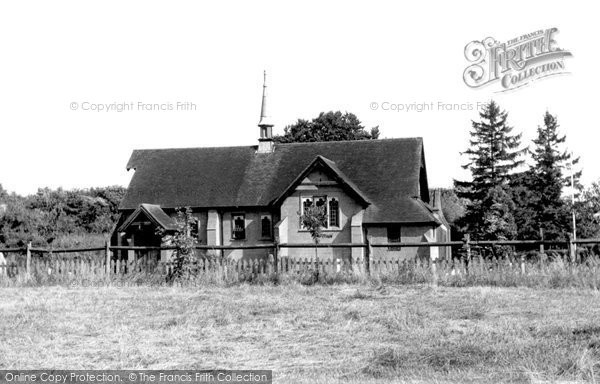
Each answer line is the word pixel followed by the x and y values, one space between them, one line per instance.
pixel 437 199
pixel 265 141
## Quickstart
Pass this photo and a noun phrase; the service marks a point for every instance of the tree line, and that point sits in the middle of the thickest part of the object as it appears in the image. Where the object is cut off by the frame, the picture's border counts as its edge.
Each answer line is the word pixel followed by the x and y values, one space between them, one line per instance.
pixel 59 216
pixel 518 192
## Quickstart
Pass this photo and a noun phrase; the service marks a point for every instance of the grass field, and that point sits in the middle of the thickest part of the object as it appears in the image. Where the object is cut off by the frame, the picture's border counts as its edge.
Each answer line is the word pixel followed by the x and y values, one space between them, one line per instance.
pixel 318 334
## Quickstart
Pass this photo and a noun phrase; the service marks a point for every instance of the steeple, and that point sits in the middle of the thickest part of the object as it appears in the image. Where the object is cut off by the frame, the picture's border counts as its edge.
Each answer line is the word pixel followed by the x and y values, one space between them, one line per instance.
pixel 265 141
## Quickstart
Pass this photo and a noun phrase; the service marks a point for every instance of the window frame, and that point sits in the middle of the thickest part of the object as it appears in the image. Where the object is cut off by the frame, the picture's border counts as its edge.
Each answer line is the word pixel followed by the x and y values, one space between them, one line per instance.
pixel 260 219
pixel 325 204
pixel 327 198
pixel 233 231
pixel 302 201
pixel 392 240
pixel 338 212
pixel 195 228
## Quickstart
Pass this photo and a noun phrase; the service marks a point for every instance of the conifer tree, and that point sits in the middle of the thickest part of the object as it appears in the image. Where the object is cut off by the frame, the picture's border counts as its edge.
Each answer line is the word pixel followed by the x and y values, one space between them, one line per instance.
pixel 494 156
pixel 587 209
pixel 546 180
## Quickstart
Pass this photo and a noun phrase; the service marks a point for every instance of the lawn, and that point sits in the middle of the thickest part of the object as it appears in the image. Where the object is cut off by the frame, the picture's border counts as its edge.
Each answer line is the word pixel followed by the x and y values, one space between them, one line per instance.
pixel 319 334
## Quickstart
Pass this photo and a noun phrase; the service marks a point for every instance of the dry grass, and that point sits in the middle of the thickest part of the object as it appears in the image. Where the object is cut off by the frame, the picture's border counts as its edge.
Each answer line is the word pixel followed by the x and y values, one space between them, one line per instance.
pixel 317 334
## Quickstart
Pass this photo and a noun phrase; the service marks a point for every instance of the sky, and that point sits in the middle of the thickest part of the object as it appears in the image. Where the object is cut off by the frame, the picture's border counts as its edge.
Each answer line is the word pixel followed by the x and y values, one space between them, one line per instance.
pixel 62 60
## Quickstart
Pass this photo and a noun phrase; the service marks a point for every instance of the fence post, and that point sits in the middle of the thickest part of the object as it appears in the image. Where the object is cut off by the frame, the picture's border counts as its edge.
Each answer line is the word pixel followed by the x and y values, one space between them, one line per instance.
pixel 571 249
pixel 467 247
pixel 368 253
pixel 28 261
pixel 107 257
pixel 522 263
pixel 434 271
pixel 275 257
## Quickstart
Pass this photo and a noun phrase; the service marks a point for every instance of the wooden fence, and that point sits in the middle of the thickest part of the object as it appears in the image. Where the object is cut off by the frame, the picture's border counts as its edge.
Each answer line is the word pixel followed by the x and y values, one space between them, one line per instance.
pixel 103 262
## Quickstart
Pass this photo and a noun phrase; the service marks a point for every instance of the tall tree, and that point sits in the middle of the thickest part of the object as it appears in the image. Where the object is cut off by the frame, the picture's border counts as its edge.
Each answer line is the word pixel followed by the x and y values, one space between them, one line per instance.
pixel 546 180
pixel 524 211
pixel 587 209
pixel 494 155
pixel 330 126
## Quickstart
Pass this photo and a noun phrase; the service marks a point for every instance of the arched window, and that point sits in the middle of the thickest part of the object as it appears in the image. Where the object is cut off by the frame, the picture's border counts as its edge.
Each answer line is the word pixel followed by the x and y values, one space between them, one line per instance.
pixel 334 213
pixel 266 227
pixel 238 230
pixel 306 203
pixel 195 228
pixel 321 201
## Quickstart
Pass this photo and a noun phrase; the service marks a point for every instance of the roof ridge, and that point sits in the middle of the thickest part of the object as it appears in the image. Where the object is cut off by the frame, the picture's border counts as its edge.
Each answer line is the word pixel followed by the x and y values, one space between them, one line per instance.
pixel 182 148
pixel 334 142
pixel 416 138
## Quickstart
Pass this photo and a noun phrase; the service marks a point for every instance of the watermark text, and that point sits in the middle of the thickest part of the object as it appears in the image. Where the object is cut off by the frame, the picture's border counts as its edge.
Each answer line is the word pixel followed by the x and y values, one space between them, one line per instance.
pixel 424 106
pixel 133 106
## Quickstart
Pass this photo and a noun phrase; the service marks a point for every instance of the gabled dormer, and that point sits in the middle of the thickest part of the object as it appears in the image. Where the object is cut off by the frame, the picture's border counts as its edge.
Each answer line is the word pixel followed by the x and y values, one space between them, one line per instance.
pixel 332 176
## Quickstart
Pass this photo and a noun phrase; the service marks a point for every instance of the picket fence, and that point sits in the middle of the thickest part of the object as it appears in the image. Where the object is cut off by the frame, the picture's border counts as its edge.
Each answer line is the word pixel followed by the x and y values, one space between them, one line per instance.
pixel 68 266
pixel 102 262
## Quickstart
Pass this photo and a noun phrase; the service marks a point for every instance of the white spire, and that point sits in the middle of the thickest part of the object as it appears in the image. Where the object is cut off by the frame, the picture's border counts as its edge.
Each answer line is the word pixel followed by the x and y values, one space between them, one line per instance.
pixel 265 140
pixel 265 121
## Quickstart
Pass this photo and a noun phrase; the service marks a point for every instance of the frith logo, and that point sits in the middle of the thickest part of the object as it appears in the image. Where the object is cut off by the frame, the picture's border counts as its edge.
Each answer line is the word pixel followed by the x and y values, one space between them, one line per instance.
pixel 515 63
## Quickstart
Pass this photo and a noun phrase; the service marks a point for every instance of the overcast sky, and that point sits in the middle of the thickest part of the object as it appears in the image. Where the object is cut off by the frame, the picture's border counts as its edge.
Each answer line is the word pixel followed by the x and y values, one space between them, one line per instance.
pixel 319 56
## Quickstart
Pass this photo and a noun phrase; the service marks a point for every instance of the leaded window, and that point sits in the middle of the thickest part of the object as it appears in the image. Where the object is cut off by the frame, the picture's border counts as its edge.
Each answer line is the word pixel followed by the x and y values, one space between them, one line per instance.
pixel 334 213
pixel 238 229
pixel 321 202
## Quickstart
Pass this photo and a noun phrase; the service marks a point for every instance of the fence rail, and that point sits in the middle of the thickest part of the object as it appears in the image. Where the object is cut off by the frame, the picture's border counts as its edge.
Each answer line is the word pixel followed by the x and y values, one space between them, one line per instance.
pixel 464 243
pixel 107 261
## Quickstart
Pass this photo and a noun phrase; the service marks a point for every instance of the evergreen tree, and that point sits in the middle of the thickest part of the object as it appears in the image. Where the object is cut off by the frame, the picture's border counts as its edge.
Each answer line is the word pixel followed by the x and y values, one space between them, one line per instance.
pixel 498 219
pixel 524 213
pixel 587 209
pixel 546 181
pixel 493 155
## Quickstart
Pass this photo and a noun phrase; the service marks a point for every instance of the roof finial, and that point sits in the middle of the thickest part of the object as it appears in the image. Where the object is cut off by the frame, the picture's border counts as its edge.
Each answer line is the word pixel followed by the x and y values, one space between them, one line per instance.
pixel 264 119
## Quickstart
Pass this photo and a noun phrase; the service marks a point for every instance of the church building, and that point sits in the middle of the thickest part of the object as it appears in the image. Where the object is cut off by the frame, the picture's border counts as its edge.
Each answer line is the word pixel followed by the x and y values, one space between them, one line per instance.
pixel 371 191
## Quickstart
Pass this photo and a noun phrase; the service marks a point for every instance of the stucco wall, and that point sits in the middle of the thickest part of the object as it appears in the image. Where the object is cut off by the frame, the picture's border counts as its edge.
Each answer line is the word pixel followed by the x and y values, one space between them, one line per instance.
pixel 253 235
pixel 202 217
pixel 408 234
pixel 292 206
pixel 222 235
pixel 442 234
